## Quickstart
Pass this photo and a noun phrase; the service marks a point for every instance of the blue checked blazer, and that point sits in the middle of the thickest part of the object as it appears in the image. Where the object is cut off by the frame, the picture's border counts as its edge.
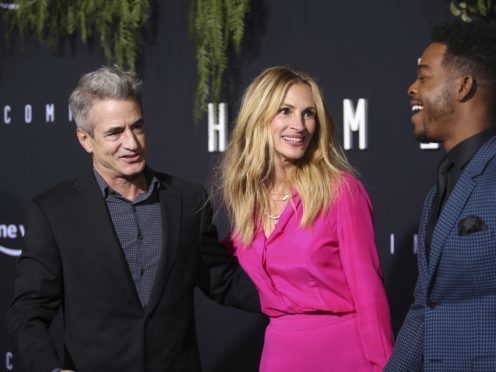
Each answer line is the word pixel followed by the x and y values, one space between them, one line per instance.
pixel 451 326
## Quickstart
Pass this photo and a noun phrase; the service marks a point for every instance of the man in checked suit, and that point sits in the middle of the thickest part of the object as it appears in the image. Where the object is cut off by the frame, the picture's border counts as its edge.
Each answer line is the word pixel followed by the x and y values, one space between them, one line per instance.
pixel 451 326
pixel 119 250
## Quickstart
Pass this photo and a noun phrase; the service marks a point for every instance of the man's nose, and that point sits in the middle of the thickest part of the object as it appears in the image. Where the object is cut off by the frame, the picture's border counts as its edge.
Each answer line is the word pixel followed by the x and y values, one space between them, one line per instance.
pixel 412 89
pixel 129 139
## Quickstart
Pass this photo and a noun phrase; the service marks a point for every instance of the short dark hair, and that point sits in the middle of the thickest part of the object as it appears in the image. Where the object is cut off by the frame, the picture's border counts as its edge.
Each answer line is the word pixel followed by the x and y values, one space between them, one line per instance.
pixel 471 49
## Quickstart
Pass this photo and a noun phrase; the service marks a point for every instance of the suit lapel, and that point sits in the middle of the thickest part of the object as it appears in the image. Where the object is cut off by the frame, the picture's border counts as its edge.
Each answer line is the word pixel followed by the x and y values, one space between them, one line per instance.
pixel 89 204
pixel 448 218
pixel 457 201
pixel 422 259
pixel 171 209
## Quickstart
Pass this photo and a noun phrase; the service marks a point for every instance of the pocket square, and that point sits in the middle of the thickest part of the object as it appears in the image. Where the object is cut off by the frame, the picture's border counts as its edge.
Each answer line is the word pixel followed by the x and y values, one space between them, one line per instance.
pixel 470 225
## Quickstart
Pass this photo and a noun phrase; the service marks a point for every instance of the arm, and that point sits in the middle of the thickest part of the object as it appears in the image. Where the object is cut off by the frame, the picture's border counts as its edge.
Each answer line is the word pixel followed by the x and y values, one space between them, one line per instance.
pixel 408 351
pixel 222 277
pixel 407 354
pixel 363 273
pixel 38 294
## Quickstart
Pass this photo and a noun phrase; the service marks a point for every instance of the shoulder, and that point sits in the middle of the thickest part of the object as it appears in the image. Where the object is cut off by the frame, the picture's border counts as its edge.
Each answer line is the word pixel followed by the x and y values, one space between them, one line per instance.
pixel 192 195
pixel 178 184
pixel 350 186
pixel 351 195
pixel 59 193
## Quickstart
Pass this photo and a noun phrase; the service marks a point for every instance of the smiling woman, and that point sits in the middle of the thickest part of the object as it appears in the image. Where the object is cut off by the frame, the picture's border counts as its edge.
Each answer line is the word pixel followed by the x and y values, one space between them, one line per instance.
pixel 303 231
pixel 293 126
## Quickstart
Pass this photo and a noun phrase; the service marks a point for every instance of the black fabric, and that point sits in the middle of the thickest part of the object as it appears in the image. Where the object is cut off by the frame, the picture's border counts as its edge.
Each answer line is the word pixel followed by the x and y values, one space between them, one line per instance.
pixel 72 260
pixel 449 171
pixel 442 181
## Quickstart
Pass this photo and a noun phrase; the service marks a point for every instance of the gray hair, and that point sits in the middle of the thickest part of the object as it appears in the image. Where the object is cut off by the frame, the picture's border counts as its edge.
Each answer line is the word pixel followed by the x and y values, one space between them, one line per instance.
pixel 108 82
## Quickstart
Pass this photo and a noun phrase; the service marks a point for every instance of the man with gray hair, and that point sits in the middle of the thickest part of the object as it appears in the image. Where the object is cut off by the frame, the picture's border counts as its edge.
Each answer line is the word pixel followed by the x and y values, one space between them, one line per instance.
pixel 119 251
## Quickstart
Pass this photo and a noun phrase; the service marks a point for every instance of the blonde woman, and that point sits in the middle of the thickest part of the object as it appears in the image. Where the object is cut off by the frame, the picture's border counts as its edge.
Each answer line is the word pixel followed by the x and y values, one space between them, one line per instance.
pixel 302 230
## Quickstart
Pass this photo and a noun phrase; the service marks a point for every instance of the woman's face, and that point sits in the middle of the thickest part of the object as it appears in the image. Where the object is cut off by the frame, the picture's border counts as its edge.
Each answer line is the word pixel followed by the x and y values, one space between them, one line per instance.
pixel 294 124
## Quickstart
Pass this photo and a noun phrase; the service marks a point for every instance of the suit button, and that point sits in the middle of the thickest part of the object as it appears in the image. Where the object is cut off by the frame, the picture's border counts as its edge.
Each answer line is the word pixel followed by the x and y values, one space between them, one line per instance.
pixel 432 304
pixel 148 367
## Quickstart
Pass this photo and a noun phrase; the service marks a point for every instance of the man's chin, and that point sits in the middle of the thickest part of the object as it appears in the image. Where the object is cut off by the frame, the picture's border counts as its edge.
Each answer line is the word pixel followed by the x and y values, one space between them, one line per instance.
pixel 134 172
pixel 422 137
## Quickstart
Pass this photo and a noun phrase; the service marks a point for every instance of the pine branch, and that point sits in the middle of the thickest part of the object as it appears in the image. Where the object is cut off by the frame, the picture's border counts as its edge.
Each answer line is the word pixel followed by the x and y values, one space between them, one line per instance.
pixel 216 25
pixel 117 23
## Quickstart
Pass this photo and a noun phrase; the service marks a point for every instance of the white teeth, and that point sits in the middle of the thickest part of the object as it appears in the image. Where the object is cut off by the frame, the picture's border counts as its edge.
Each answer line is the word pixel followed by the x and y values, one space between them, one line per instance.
pixel 417 108
pixel 292 139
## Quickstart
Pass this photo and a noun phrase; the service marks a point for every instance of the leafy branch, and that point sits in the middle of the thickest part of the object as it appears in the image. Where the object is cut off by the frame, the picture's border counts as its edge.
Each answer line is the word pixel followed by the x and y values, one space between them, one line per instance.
pixel 467 10
pixel 117 23
pixel 217 25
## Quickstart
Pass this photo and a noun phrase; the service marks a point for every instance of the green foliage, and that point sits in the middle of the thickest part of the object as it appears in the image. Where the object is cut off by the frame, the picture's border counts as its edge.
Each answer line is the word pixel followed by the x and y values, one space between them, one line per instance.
pixel 116 23
pixel 217 26
pixel 467 10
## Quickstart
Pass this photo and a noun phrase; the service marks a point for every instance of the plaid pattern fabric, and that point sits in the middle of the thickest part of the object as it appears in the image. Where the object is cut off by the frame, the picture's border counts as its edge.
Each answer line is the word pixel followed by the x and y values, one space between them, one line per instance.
pixel 451 326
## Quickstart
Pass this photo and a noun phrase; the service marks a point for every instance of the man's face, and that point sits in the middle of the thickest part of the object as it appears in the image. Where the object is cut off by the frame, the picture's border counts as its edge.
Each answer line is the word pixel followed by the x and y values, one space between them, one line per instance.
pixel 118 142
pixel 432 102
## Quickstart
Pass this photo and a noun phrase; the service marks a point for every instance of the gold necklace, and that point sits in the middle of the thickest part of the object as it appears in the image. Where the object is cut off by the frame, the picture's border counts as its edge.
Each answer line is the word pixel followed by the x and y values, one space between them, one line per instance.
pixel 284 198
pixel 275 217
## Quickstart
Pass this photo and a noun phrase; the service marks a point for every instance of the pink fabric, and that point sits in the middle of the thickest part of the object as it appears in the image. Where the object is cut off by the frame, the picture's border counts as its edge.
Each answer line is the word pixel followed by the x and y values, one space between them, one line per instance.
pixel 330 268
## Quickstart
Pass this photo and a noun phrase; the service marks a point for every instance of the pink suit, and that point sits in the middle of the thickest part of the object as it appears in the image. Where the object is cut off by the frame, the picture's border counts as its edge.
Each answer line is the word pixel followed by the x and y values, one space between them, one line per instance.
pixel 322 288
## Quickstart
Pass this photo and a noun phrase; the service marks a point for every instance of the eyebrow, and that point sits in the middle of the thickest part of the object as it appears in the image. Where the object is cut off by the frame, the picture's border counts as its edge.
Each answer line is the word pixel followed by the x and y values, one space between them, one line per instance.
pixel 424 66
pixel 121 127
pixel 139 121
pixel 291 106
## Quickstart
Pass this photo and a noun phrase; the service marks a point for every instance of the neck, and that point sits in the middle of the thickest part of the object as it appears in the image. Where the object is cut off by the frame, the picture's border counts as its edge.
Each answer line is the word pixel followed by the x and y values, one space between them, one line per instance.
pixel 469 120
pixel 279 182
pixel 128 188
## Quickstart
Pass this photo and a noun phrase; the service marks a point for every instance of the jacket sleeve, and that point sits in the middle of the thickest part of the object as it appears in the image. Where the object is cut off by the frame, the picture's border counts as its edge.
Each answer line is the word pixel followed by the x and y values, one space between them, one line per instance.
pixel 407 354
pixel 38 294
pixel 408 350
pixel 363 272
pixel 222 277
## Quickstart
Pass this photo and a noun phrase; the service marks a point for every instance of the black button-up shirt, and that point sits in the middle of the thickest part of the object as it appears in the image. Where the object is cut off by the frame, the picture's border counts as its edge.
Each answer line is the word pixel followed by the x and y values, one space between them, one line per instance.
pixel 138 225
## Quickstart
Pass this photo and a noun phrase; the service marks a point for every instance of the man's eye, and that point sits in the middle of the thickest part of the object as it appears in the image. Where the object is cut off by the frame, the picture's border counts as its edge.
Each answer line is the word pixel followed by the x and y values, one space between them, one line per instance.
pixel 112 136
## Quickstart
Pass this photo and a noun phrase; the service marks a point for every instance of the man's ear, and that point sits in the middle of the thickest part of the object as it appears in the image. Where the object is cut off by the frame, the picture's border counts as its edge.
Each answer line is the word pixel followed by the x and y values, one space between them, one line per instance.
pixel 466 87
pixel 85 140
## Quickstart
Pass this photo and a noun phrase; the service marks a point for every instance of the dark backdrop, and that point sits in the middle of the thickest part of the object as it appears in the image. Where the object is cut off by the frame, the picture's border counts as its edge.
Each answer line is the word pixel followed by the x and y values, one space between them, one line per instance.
pixel 356 49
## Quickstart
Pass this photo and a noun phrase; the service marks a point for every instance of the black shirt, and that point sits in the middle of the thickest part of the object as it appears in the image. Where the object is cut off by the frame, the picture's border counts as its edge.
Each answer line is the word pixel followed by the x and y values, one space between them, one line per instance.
pixel 138 226
pixel 460 156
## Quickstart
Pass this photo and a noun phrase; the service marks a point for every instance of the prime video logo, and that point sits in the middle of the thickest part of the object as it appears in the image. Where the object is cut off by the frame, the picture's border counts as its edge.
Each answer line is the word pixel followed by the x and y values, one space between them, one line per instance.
pixel 11 232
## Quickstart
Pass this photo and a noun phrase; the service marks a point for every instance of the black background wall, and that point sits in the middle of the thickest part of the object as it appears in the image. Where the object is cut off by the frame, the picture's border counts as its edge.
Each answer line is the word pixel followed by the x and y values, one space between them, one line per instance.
pixel 356 49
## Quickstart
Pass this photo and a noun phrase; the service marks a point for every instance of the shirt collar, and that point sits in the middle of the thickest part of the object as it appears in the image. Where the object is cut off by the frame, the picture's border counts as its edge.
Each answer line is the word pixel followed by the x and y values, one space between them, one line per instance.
pixel 463 152
pixel 151 180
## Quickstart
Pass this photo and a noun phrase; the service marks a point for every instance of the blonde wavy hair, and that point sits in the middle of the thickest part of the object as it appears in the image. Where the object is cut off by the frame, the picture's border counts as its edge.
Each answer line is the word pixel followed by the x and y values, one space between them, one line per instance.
pixel 247 166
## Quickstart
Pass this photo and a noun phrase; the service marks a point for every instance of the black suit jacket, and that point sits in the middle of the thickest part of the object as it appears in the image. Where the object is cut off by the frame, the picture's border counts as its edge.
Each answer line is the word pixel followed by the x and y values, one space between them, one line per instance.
pixel 72 261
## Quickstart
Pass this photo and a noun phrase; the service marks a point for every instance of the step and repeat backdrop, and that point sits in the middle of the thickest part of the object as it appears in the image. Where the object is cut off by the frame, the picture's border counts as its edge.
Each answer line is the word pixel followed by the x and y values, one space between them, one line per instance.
pixel 364 55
